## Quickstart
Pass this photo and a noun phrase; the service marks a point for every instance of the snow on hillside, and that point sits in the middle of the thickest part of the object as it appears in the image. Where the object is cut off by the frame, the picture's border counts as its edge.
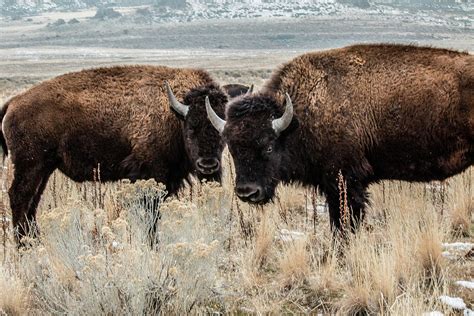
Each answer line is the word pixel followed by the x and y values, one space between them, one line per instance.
pixel 191 10
pixel 198 9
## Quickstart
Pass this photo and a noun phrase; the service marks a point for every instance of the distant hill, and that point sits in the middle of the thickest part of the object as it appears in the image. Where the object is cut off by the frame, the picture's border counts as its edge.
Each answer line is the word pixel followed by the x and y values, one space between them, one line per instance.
pixel 203 9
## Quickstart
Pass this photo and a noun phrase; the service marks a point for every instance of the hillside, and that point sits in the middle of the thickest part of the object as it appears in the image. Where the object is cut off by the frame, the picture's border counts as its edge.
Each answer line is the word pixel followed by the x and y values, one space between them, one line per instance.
pixel 188 10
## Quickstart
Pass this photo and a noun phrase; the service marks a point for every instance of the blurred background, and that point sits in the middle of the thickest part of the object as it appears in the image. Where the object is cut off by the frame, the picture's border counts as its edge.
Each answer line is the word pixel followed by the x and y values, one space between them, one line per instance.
pixel 241 40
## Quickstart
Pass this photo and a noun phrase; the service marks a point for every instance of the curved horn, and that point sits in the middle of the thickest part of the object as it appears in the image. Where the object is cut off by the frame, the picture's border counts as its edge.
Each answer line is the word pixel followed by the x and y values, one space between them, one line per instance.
pixel 216 121
pixel 280 124
pixel 249 91
pixel 175 104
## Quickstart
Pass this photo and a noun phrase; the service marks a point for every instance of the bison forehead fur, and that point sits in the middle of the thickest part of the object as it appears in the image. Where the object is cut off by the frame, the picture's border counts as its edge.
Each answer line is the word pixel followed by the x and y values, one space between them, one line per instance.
pixel 363 113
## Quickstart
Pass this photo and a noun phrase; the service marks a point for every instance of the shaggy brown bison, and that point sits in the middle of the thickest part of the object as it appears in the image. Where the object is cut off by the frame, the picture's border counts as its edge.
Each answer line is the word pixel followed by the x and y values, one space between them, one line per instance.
pixel 116 120
pixel 371 112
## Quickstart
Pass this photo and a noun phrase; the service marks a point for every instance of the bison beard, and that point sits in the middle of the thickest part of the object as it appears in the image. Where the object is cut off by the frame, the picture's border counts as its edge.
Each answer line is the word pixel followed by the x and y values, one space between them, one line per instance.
pixel 117 118
pixel 362 114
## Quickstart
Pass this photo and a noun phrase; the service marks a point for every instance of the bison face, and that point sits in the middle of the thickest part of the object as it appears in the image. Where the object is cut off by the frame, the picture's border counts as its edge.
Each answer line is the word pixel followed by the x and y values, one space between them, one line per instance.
pixel 256 133
pixel 257 159
pixel 202 142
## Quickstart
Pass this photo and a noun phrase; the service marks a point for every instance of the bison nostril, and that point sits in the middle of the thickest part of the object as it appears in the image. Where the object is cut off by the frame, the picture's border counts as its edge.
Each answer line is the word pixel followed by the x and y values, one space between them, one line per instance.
pixel 252 192
pixel 207 164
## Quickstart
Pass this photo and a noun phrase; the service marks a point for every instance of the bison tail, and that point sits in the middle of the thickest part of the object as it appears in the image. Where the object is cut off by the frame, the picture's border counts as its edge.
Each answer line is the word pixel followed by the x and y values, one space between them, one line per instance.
pixel 3 143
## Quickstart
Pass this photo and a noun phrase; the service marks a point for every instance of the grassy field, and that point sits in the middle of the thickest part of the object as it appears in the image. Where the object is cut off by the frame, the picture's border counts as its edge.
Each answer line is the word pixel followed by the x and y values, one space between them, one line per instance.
pixel 218 255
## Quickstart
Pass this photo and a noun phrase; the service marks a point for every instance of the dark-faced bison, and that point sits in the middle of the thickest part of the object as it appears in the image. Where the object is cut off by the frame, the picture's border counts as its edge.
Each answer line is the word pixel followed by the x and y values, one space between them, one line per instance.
pixel 116 120
pixel 369 112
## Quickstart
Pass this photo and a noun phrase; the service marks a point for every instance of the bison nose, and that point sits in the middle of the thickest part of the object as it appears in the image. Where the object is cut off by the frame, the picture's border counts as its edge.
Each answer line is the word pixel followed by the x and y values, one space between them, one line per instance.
pixel 207 165
pixel 250 192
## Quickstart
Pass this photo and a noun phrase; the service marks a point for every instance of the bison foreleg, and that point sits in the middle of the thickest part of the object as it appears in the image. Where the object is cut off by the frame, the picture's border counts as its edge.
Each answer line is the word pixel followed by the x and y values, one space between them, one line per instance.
pixel 346 200
pixel 25 192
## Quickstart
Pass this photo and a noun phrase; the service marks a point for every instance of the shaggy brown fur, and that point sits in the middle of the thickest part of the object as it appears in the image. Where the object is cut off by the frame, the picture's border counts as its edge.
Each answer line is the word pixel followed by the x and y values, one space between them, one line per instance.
pixel 234 89
pixel 116 119
pixel 373 112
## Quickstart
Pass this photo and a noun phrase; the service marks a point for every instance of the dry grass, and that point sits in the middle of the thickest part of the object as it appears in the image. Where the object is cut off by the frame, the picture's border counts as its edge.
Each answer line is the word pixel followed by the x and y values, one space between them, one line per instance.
pixel 14 296
pixel 462 212
pixel 217 255
pixel 94 256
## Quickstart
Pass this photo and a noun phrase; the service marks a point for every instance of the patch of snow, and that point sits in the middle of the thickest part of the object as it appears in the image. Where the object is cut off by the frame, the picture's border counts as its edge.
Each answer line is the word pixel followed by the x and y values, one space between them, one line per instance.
pixel 320 208
pixel 433 313
pixel 454 302
pixel 468 312
pixel 466 284
pixel 448 255
pixel 463 246
pixel 290 235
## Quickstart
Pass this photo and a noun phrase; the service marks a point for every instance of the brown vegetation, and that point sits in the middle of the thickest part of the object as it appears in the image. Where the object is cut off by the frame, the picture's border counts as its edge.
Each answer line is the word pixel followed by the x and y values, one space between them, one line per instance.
pixel 93 255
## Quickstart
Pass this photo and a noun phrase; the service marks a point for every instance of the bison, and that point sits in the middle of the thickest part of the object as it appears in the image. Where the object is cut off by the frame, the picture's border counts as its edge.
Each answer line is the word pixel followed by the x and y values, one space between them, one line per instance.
pixel 115 120
pixel 363 113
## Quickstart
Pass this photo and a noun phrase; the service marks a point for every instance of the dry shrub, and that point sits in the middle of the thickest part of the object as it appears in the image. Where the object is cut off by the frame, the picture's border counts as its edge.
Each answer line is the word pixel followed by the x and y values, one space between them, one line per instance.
pixel 462 212
pixel 14 298
pixel 290 202
pixel 357 301
pixel 461 218
pixel 257 255
pixel 263 243
pixel 326 281
pixel 294 264
pixel 373 278
pixel 86 262
pixel 399 256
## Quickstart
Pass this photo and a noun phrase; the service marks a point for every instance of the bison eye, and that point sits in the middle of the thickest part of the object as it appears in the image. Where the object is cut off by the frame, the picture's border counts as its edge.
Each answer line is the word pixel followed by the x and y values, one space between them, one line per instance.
pixel 269 149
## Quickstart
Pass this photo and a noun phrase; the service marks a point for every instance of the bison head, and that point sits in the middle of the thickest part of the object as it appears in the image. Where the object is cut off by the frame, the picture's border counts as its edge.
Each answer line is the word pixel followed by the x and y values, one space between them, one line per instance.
pixel 202 142
pixel 256 132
